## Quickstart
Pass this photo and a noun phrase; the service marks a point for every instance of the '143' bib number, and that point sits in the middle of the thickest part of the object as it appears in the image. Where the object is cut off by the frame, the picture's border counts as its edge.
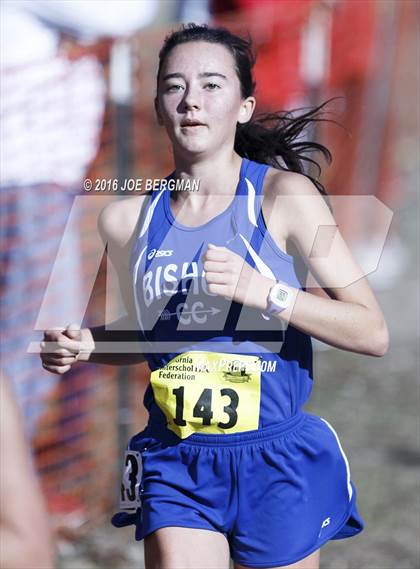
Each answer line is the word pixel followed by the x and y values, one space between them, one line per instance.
pixel 209 392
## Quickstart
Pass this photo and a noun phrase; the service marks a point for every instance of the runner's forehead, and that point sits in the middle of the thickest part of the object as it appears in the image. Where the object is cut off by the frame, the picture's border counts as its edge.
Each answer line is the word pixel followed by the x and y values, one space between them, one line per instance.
pixel 200 58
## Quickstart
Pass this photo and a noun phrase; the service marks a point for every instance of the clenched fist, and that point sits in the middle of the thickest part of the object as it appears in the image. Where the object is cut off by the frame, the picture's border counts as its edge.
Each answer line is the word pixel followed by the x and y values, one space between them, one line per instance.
pixel 230 276
pixel 60 349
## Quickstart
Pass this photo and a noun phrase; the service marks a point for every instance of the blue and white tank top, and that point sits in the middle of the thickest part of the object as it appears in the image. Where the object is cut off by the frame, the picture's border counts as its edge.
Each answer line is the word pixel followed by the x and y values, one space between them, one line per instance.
pixel 177 314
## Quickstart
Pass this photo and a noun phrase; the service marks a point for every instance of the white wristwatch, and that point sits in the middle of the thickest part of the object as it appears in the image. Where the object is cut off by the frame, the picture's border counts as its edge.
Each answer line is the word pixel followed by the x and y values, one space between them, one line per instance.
pixel 279 298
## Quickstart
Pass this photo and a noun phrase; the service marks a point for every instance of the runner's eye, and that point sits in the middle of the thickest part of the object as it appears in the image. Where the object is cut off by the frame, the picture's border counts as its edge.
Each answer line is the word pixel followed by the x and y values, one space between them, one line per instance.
pixel 211 86
pixel 173 88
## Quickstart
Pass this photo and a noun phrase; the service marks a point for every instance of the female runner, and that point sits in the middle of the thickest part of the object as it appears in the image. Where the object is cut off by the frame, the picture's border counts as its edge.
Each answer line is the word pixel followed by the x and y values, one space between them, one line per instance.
pixel 231 464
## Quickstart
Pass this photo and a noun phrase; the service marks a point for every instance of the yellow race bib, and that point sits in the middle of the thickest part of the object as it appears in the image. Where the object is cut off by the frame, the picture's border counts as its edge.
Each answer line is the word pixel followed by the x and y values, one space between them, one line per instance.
pixel 209 392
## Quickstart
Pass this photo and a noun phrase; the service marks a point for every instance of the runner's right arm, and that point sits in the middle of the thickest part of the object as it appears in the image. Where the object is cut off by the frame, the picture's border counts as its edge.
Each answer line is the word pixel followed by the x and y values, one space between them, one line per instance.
pixel 60 349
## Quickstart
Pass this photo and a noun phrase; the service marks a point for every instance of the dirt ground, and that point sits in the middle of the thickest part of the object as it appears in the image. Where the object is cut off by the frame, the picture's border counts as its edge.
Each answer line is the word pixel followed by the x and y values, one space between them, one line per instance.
pixel 373 405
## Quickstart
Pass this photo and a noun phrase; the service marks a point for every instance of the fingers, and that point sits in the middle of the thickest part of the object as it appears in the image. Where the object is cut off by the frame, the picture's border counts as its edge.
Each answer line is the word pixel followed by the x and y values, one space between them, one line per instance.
pixel 55 348
pixel 215 253
pixel 61 336
pixel 54 360
pixel 60 348
pixel 222 269
pixel 53 334
pixel 73 331
pixel 63 347
pixel 218 278
pixel 214 267
pixel 58 339
pixel 56 357
pixel 57 364
pixel 56 369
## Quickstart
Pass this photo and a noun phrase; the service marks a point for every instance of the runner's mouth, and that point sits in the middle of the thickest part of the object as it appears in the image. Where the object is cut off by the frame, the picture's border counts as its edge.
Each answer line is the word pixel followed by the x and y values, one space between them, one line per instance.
pixel 191 124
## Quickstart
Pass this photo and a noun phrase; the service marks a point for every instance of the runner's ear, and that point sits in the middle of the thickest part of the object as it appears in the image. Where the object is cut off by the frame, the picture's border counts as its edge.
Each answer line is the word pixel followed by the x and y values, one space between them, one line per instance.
pixel 246 110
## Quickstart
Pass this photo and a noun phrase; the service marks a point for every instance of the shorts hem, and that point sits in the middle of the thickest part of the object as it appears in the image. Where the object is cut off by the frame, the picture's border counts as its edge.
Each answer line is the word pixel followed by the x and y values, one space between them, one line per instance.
pixel 176 523
pixel 319 544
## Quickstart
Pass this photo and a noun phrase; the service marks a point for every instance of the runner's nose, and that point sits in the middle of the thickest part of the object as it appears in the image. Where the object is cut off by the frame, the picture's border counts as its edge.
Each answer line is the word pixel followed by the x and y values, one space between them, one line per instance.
pixel 192 99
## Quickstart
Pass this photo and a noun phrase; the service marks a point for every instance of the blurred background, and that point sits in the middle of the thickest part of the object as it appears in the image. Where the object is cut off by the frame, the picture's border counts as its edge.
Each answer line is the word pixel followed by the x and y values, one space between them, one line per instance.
pixel 77 89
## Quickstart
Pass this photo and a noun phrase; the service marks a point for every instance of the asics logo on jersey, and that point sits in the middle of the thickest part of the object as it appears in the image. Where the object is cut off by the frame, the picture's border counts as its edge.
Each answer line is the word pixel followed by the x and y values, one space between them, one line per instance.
pixel 159 253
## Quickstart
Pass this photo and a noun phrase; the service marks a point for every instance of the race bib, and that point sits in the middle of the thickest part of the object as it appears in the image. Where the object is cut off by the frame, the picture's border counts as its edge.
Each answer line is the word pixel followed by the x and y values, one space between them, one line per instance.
pixel 209 392
pixel 130 481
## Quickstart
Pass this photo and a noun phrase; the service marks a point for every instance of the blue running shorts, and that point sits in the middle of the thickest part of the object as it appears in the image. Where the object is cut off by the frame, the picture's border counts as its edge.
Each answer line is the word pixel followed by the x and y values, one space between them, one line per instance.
pixel 277 494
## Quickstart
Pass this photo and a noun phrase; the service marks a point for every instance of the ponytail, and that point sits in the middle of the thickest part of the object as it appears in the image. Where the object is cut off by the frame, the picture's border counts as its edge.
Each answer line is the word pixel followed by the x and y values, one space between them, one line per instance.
pixel 275 139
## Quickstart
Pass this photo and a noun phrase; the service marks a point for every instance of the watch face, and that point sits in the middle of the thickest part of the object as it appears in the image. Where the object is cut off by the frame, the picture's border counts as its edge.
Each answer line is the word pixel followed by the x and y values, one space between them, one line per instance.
pixel 279 298
pixel 281 295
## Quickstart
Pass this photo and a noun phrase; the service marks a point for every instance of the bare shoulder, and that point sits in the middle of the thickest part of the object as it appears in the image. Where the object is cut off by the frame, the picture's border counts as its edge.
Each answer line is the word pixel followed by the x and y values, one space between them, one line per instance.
pixel 287 183
pixel 294 200
pixel 118 219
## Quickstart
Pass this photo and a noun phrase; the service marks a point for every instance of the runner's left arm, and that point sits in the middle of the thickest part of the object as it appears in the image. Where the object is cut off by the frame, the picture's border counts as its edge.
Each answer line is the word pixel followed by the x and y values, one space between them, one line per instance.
pixel 350 317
